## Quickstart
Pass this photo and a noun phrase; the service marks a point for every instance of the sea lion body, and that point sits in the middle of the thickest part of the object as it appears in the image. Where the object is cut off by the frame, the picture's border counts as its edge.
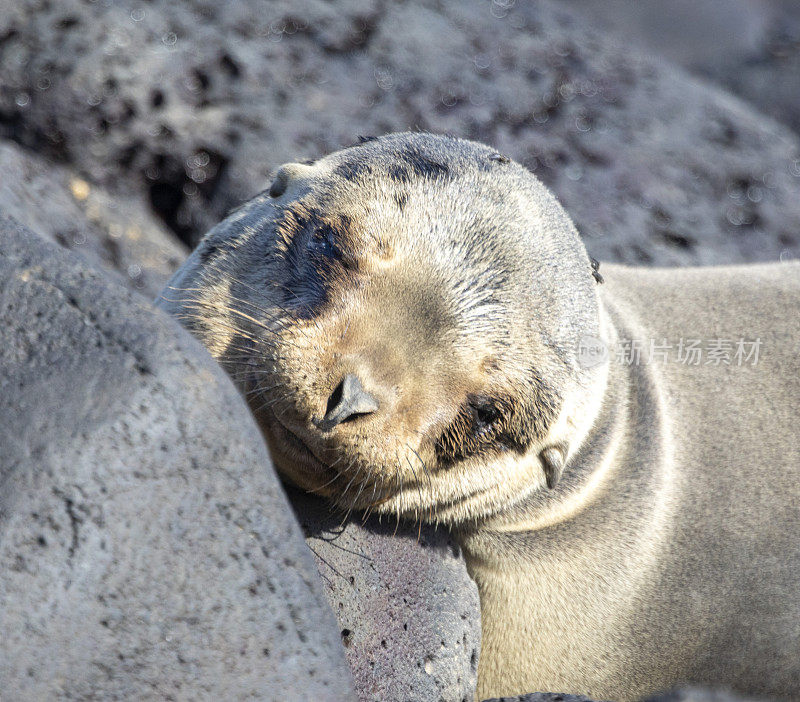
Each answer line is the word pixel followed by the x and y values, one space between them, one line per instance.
pixel 670 551
pixel 421 333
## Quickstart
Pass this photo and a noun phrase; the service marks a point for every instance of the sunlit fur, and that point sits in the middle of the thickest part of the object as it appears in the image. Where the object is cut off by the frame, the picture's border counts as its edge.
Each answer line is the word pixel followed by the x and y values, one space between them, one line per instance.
pixel 413 261
pixel 453 285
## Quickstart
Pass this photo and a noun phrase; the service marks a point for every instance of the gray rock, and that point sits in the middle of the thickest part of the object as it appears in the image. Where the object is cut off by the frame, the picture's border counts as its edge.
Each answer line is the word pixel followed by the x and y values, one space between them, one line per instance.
pixel 192 104
pixel 768 75
pixel 119 234
pixel 680 30
pixel 409 614
pixel 147 550
pixel 755 52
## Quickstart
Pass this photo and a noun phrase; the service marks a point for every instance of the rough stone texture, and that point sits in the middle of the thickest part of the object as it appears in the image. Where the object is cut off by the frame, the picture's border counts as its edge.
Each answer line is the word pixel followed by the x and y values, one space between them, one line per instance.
pixel 408 613
pixel 187 107
pixel 118 234
pixel 192 104
pixel 147 550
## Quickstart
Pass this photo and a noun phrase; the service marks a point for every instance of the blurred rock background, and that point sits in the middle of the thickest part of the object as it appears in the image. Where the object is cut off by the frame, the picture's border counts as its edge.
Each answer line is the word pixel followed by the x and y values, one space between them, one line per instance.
pixel 750 47
pixel 665 129
pixel 670 131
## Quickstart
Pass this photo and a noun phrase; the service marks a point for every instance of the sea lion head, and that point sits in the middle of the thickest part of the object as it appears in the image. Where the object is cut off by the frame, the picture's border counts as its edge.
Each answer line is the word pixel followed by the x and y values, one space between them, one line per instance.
pixel 403 317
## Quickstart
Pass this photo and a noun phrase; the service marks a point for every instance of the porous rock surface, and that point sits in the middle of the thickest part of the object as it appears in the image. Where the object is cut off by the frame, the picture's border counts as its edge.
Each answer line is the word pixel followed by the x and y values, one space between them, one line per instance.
pixel 147 550
pixel 409 614
pixel 193 104
pixel 118 234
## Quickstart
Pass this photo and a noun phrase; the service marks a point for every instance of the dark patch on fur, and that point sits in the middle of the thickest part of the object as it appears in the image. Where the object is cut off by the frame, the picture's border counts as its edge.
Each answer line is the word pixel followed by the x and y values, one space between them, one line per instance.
pixel 404 164
pixel 486 425
pixel 343 222
pixel 499 158
pixel 399 173
pixel 300 224
pixel 352 169
pixel 482 426
pixel 401 199
pixel 314 248
pixel 421 165
pixel 208 252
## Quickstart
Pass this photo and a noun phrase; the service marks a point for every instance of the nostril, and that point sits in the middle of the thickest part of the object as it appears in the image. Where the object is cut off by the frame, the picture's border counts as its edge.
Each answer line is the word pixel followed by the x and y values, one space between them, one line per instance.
pixel 347 402
pixel 335 398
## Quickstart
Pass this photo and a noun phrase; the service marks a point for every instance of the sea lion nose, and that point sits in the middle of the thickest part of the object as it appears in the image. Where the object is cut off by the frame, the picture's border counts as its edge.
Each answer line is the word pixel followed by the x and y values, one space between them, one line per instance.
pixel 347 402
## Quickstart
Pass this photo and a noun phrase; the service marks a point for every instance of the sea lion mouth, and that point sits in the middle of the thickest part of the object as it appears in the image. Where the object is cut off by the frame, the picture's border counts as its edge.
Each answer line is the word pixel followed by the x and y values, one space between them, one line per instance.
pixel 294 447
pixel 302 467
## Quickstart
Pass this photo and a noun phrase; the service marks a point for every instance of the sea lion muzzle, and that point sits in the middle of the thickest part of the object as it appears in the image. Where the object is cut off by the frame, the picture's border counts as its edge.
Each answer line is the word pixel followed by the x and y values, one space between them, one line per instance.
pixel 348 402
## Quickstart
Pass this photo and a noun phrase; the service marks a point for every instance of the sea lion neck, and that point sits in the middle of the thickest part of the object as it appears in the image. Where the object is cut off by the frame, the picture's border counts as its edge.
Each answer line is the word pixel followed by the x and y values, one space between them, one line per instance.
pixel 630 422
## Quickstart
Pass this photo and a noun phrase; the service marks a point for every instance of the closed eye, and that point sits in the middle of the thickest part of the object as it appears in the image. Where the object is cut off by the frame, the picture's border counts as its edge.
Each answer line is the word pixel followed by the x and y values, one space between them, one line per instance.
pixel 322 242
pixel 317 261
pixel 479 426
pixel 486 414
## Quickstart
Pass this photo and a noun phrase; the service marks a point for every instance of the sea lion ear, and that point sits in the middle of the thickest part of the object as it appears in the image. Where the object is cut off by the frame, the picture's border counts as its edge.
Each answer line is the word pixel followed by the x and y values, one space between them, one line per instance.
pixel 285 175
pixel 596 270
pixel 553 459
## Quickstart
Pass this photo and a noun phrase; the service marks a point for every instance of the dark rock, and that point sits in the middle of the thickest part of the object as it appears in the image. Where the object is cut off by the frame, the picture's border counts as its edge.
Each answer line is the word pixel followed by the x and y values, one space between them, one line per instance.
pixel 408 612
pixel 118 234
pixel 147 550
pixel 193 104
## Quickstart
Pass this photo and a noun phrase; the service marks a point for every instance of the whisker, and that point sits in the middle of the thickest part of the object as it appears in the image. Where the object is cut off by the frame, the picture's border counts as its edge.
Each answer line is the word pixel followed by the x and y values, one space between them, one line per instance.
pixel 427 474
